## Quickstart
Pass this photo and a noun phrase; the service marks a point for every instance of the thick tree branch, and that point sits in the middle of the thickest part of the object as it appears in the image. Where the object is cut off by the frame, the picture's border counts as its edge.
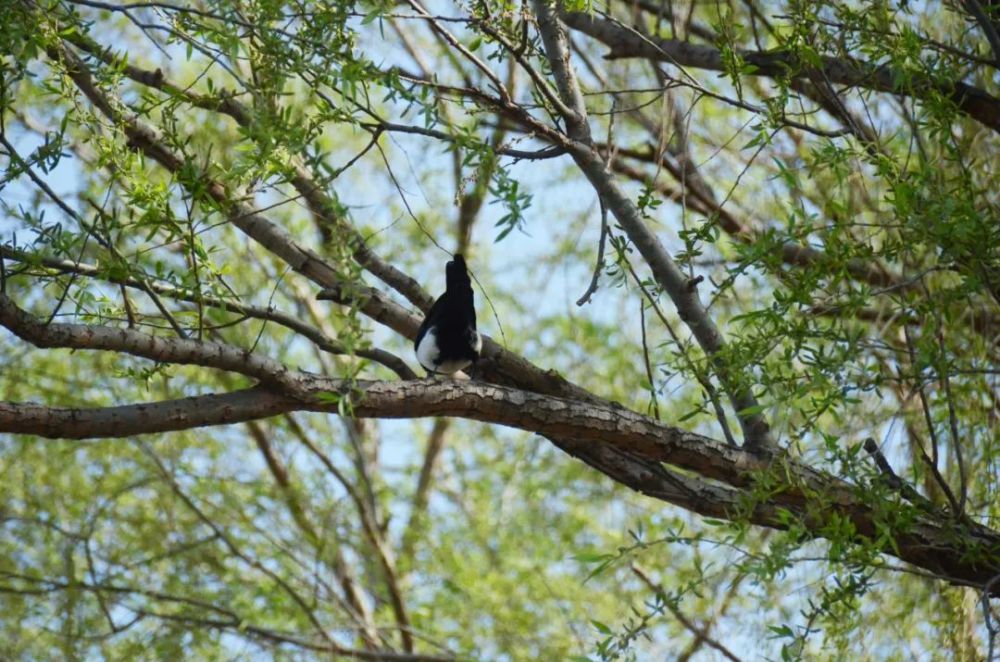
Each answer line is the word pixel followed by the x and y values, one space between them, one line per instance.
pixel 625 445
pixel 626 43
pixel 137 343
pixel 321 340
pixel 756 432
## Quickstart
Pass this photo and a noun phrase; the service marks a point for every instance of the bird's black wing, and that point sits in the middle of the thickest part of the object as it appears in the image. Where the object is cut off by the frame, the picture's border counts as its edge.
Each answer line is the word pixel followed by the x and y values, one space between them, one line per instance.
pixel 432 316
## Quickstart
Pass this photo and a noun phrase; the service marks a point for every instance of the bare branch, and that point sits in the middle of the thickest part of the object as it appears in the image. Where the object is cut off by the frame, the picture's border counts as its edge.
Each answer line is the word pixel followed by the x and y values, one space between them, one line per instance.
pixel 599 265
pixel 352 603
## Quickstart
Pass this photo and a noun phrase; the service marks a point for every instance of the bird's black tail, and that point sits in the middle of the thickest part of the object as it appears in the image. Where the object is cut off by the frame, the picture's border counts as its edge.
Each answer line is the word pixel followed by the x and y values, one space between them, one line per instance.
pixel 456 275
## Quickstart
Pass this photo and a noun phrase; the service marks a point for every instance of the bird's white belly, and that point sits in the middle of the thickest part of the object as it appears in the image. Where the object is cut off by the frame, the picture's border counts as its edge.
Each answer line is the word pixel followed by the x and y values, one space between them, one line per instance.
pixel 428 354
pixel 427 350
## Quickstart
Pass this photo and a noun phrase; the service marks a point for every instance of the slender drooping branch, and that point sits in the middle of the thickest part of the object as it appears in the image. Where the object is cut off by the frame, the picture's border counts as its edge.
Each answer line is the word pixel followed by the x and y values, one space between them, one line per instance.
pixel 700 632
pixel 351 602
pixel 756 432
pixel 202 614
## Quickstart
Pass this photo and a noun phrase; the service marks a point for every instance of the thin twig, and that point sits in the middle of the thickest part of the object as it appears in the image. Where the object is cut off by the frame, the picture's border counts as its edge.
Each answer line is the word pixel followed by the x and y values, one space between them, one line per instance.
pixel 956 441
pixel 645 360
pixel 932 461
pixel 599 265
pixel 706 384
pixel 891 479
pixel 699 632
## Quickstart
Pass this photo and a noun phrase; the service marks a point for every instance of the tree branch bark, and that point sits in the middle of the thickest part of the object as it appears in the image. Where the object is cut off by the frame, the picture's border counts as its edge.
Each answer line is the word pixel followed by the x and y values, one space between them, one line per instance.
pixel 626 446
pixel 756 432
pixel 136 343
pixel 317 337
pixel 627 43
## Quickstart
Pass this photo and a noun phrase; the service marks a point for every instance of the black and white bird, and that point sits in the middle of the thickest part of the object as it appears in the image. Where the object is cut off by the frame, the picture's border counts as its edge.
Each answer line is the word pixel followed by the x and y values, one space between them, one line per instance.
pixel 447 340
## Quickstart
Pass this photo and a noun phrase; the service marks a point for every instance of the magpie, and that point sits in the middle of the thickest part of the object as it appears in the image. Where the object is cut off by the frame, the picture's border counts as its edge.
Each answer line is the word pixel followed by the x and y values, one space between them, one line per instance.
pixel 447 340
